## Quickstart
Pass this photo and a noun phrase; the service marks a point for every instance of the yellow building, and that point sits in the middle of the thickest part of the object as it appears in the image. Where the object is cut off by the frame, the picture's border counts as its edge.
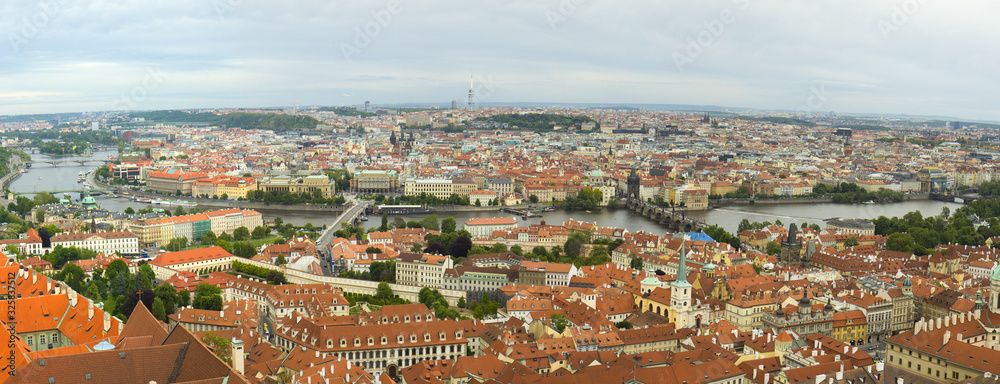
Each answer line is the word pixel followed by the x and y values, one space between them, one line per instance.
pixel 850 327
pixel 299 184
pixel 231 187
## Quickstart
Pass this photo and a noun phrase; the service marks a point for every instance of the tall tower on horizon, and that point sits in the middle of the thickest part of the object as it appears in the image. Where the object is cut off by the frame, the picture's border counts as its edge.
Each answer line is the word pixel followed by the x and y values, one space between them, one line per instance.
pixel 472 92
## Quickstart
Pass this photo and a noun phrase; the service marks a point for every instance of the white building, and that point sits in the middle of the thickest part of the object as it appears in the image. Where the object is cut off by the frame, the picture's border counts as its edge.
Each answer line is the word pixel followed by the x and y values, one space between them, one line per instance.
pixel 484 227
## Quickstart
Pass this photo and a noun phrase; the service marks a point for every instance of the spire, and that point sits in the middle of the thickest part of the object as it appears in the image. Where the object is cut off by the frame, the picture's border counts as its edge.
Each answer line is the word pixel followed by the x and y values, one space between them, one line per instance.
pixel 682 265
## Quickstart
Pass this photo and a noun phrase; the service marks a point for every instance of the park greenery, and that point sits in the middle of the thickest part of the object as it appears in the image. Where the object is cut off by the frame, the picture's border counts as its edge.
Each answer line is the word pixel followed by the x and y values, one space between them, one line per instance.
pixel 273 277
pixel 422 199
pixel 541 122
pixel 586 199
pixel 377 271
pixel 268 121
pixel 54 147
pixel 434 300
pixel 288 198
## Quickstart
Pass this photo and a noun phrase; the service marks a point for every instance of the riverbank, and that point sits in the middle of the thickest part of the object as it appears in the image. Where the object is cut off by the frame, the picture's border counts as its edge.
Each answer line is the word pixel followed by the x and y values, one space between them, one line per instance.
pixel 223 204
pixel 801 200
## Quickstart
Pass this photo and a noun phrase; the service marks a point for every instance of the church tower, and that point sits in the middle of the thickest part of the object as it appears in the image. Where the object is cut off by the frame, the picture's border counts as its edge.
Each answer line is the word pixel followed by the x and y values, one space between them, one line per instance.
pixel 680 292
pixel 995 290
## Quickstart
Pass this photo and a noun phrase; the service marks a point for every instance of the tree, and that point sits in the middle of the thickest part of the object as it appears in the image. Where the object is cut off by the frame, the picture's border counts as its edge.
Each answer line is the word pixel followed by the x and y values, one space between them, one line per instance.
pixel 560 322
pixel 281 260
pixel 385 223
pixel 900 242
pixel 209 238
pixel 241 234
pixel 636 263
pixel 853 241
pixel 132 299
pixel 461 302
pixel 373 249
pixel 167 294
pixel 773 248
pixel 623 325
pixel 383 291
pixel 431 222
pixel 159 312
pixel 448 225
pixel 460 247
pixel 207 296
pixel 517 250
pixel 72 275
pixel 260 232
pixel 221 346
pixel 183 298
pixel 179 211
pixel 574 243
pixel 533 199
pixel 498 248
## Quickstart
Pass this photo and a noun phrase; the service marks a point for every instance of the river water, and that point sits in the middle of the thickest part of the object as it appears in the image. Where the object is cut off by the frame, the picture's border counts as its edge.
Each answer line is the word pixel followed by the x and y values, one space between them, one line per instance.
pixel 63 177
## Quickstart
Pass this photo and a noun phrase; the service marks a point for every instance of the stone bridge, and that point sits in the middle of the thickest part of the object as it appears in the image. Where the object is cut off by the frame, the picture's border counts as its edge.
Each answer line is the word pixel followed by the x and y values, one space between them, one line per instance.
pixel 676 221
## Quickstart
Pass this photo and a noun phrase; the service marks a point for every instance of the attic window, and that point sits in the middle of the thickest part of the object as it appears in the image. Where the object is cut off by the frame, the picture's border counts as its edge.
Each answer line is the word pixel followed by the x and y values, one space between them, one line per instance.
pixel 87 376
pixel 413 338
pixel 343 342
pixel 427 336
pixel 371 340
pixel 441 336
pixel 399 339
pixel 357 341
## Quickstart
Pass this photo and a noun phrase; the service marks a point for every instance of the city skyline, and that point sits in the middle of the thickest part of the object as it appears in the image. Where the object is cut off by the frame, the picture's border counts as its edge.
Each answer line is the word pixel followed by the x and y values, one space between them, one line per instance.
pixel 901 57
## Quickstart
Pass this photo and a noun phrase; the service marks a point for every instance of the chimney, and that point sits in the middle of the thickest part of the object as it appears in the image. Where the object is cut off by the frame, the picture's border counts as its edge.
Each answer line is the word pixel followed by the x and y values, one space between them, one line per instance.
pixel 238 356
pixel 947 337
pixel 107 321
pixel 820 378
pixel 90 309
pixel 847 348
pixel 947 321
pixel 958 336
pixel 34 277
pixel 72 298
pixel 48 285
pixel 840 375
pixel 938 325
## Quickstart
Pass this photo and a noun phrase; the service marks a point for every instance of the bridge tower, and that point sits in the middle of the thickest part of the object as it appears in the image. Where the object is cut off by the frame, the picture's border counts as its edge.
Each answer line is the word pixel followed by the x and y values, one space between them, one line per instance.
pixel 634 186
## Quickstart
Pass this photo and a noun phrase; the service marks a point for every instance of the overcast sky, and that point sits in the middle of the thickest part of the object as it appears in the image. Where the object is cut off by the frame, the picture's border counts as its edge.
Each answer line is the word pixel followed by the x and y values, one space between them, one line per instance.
pixel 916 57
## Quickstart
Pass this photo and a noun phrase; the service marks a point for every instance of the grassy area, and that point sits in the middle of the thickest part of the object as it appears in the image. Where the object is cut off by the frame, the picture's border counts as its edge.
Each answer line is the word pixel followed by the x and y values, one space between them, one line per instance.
pixel 267 240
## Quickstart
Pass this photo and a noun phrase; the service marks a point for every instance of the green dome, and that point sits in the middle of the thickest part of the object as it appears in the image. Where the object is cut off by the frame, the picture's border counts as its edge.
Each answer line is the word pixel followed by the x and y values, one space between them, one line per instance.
pixel 996 273
pixel 596 173
pixel 709 267
pixel 651 280
pixel 907 282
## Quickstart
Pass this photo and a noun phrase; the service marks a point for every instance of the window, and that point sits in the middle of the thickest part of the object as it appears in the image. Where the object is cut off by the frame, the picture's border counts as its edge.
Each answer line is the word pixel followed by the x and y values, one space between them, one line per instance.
pixel 41 339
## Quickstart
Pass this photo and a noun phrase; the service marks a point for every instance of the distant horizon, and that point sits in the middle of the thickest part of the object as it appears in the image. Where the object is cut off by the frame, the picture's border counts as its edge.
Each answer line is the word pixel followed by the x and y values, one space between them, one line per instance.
pixel 652 107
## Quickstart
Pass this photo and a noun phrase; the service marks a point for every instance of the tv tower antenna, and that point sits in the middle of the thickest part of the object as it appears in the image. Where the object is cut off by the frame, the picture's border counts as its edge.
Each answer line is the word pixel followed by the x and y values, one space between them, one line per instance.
pixel 472 92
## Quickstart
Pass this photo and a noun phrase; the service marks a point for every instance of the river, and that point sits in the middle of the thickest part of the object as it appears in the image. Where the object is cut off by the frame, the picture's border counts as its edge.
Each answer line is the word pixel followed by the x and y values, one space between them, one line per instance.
pixel 63 177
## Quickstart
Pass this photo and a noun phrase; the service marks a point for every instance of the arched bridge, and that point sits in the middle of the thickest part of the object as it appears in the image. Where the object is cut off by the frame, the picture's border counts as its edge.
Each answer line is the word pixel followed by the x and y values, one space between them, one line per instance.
pixel 676 221
pixel 56 163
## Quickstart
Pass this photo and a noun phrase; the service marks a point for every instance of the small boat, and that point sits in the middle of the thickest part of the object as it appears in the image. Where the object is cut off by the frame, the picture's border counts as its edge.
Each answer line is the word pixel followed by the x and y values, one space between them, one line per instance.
pixel 869 202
